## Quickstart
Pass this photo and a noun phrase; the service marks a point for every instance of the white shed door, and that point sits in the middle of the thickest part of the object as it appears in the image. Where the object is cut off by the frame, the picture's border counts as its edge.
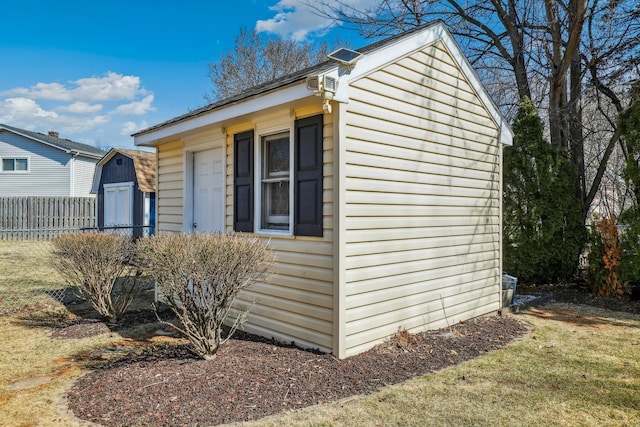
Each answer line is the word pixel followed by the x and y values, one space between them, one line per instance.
pixel 208 182
pixel 118 205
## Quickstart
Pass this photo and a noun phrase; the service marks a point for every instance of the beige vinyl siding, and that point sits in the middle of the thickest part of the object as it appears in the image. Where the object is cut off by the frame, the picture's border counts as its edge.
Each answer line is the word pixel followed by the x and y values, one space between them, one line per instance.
pixel 422 200
pixel 296 304
pixel 170 187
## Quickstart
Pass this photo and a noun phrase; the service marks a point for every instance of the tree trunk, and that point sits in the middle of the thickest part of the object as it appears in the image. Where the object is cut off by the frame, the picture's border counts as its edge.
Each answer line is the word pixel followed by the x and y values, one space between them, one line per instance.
pixel 576 135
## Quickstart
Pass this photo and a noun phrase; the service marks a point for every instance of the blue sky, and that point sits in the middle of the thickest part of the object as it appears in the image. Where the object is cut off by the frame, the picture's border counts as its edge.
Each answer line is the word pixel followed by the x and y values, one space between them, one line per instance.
pixel 97 71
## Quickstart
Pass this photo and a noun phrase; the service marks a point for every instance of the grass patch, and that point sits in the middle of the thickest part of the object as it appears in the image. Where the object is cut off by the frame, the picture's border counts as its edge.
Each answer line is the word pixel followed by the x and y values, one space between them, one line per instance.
pixel 27 276
pixel 30 353
pixel 580 366
pixel 24 266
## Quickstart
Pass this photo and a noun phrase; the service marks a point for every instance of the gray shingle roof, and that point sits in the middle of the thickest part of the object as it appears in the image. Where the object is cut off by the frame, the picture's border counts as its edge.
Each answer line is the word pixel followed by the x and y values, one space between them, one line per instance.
pixel 61 143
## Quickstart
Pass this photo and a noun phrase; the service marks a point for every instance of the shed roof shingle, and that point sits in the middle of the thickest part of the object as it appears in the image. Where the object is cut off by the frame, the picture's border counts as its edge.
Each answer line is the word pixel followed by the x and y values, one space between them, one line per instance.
pixel 144 163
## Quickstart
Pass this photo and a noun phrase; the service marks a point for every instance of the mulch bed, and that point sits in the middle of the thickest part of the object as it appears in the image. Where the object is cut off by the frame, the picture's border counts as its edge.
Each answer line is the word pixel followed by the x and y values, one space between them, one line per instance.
pixel 252 377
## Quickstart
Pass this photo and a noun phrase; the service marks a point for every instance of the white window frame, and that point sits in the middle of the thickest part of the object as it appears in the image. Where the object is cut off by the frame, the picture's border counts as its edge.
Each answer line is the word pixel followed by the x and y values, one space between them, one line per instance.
pixel 259 181
pixel 14 158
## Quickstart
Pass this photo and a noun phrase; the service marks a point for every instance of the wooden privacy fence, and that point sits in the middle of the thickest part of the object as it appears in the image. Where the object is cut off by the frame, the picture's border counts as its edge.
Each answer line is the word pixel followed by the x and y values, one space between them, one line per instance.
pixel 42 218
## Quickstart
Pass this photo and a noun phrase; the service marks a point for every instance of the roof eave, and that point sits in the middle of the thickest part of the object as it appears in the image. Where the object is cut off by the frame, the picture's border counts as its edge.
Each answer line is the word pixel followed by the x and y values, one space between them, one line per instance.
pixel 288 90
pixel 51 144
pixel 86 154
pixel 42 141
pixel 271 98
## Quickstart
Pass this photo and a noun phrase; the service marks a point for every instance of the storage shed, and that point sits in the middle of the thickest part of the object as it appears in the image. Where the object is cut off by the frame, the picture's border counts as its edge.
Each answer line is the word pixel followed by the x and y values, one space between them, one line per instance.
pixel 375 177
pixel 125 182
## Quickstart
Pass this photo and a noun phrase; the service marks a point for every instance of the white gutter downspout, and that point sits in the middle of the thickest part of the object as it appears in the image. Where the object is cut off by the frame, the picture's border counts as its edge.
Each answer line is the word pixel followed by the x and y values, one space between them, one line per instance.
pixel 72 172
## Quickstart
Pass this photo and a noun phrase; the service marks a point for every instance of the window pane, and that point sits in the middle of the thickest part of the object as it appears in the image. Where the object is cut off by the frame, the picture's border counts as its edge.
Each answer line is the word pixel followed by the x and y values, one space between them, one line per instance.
pixel 275 182
pixel 279 198
pixel 275 205
pixel 7 165
pixel 21 165
pixel 277 157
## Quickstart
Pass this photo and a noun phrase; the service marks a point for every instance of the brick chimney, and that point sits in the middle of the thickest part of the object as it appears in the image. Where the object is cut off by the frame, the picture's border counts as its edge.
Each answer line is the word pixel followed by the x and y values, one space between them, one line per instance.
pixel 53 134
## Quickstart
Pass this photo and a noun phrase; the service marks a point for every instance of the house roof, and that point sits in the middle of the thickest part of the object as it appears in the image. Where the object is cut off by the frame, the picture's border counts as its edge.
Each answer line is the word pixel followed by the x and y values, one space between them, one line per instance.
pixel 63 144
pixel 144 164
pixel 259 95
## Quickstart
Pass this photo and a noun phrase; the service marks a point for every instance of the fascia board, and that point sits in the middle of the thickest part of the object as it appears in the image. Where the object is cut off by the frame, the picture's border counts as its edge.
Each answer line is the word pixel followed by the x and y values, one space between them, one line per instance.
pixel 252 105
pixel 103 161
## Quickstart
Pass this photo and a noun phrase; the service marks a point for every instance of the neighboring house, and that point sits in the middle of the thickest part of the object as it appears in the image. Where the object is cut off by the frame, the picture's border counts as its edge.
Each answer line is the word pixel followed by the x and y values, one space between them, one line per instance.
pixel 35 164
pixel 376 181
pixel 125 182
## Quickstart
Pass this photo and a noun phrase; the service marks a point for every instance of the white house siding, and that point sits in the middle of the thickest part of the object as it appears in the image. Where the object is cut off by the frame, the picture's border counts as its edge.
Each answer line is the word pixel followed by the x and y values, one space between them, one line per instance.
pixel 83 169
pixel 296 302
pixel 49 168
pixel 170 187
pixel 422 204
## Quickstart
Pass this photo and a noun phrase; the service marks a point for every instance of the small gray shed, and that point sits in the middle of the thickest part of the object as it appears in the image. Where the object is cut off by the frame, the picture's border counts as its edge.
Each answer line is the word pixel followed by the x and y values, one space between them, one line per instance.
pixel 125 183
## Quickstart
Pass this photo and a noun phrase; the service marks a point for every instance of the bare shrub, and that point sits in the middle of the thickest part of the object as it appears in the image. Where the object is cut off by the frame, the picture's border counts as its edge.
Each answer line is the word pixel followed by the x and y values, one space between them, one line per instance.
pixel 99 264
pixel 200 276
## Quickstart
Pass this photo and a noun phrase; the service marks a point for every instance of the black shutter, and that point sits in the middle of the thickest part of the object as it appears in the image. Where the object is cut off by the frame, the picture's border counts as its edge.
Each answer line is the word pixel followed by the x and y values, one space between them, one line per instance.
pixel 243 181
pixel 307 214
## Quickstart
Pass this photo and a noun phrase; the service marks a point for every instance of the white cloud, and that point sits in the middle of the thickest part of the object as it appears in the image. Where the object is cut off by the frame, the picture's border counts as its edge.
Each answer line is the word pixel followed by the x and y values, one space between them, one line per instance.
pixel 18 109
pixel 131 127
pixel 136 108
pixel 81 107
pixel 296 20
pixel 76 109
pixel 73 125
pixel 53 91
pixel 28 114
pixel 110 87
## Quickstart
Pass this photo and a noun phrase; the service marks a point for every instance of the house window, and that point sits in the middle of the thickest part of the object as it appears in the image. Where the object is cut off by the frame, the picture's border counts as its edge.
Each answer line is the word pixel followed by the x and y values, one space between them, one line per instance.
pixel 276 171
pixel 289 178
pixel 18 164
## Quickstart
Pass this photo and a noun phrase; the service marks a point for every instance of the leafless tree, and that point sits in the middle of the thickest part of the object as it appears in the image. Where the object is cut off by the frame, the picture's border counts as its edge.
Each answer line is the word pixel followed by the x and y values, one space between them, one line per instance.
pixel 551 51
pixel 257 58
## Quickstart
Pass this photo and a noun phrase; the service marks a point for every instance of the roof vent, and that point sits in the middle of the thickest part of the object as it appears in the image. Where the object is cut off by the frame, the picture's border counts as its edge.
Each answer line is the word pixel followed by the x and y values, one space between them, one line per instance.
pixel 54 134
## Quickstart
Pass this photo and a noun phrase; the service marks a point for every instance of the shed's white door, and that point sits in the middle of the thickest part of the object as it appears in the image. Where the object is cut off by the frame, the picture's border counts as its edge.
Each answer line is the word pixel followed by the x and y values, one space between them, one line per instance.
pixel 118 206
pixel 208 182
